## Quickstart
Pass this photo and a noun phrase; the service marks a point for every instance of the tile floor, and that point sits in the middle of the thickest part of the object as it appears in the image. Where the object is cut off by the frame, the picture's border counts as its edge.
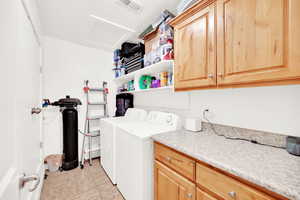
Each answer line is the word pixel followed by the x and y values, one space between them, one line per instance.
pixel 91 183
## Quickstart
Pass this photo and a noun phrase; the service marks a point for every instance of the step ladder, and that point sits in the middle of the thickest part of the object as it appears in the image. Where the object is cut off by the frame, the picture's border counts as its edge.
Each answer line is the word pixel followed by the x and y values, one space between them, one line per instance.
pixel 90 132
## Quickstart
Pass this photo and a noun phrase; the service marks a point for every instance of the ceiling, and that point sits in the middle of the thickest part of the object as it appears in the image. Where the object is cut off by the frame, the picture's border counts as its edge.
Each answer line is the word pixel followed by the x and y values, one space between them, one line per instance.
pixel 102 24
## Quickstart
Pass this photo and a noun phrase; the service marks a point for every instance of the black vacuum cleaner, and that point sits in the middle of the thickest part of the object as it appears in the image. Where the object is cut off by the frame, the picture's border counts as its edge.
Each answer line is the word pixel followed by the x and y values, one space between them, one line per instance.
pixel 70 130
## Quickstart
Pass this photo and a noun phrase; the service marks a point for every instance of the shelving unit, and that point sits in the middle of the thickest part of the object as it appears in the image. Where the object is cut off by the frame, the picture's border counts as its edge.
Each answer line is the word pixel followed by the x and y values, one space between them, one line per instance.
pixel 166 65
pixel 170 87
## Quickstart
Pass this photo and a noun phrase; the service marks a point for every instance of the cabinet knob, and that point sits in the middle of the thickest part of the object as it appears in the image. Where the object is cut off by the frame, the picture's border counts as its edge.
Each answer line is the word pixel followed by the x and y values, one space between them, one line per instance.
pixel 211 76
pixel 232 194
pixel 168 158
pixel 189 195
pixel 220 75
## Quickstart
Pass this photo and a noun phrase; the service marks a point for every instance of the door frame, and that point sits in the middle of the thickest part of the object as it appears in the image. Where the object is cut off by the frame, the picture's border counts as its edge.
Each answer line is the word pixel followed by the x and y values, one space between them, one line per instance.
pixel 35 195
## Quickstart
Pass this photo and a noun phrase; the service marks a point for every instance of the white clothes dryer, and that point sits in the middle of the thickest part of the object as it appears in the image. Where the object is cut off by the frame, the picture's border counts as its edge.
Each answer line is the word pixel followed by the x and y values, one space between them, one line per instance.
pixel 108 138
pixel 135 154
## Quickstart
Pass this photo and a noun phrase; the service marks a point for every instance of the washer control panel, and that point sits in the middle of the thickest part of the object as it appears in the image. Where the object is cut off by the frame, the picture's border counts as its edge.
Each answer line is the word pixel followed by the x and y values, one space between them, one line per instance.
pixel 163 118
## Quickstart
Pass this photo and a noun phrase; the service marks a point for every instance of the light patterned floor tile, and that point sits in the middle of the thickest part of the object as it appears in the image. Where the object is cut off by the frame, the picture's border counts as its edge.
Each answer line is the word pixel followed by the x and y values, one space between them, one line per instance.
pixel 91 183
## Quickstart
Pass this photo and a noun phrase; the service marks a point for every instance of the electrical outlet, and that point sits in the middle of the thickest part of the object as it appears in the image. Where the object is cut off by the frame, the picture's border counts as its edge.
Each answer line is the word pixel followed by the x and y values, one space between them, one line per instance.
pixel 207 113
pixel 205 109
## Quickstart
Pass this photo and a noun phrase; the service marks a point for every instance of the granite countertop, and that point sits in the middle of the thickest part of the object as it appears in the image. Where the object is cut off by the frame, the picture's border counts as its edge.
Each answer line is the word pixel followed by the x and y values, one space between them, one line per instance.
pixel 272 168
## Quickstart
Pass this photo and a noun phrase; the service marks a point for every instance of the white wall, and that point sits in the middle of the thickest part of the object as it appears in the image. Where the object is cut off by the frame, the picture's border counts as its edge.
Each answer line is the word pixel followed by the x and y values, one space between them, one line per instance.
pixel 272 109
pixel 66 66
pixel 8 38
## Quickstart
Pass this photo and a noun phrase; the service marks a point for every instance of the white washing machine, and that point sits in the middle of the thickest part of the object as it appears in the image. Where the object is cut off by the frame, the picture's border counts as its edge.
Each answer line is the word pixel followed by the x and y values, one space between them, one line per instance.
pixel 135 154
pixel 108 138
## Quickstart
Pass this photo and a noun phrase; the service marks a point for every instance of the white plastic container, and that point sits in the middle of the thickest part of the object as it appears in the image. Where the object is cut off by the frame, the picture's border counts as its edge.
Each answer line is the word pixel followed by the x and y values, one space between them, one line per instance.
pixel 193 124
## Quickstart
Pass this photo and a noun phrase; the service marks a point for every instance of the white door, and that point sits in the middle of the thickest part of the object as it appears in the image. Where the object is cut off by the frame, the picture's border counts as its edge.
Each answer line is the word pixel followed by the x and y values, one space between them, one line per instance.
pixel 8 145
pixel 20 87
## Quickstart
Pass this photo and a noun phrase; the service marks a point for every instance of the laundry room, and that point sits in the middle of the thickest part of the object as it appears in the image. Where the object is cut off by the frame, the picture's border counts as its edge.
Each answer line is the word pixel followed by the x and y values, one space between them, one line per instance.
pixel 150 100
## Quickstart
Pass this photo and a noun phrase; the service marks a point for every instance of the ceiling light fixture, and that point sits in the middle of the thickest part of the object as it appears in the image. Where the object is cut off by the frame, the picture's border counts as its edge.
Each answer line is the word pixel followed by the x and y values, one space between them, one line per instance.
pixel 113 23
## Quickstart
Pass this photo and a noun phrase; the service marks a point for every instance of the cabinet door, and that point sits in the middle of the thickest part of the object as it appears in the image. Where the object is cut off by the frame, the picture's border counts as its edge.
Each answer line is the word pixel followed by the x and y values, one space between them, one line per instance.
pixel 195 50
pixel 171 186
pixel 201 195
pixel 258 41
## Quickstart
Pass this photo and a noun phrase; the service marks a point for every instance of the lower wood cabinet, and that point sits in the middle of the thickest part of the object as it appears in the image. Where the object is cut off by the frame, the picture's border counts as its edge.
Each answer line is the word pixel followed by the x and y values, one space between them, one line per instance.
pixel 226 187
pixel 171 186
pixel 176 161
pixel 172 182
pixel 201 195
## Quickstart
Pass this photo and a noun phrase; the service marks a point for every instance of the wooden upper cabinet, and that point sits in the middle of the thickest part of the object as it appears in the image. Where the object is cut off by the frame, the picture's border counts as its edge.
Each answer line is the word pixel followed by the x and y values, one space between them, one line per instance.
pixel 171 186
pixel 237 43
pixel 258 41
pixel 195 48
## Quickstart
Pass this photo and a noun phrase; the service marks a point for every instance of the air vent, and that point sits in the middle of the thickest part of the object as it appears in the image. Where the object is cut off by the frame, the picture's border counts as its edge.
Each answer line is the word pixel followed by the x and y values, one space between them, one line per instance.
pixel 130 4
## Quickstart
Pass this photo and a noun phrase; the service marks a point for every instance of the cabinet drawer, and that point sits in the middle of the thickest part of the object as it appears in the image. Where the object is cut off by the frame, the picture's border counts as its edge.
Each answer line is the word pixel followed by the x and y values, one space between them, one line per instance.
pixel 201 195
pixel 168 185
pixel 225 186
pixel 176 161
